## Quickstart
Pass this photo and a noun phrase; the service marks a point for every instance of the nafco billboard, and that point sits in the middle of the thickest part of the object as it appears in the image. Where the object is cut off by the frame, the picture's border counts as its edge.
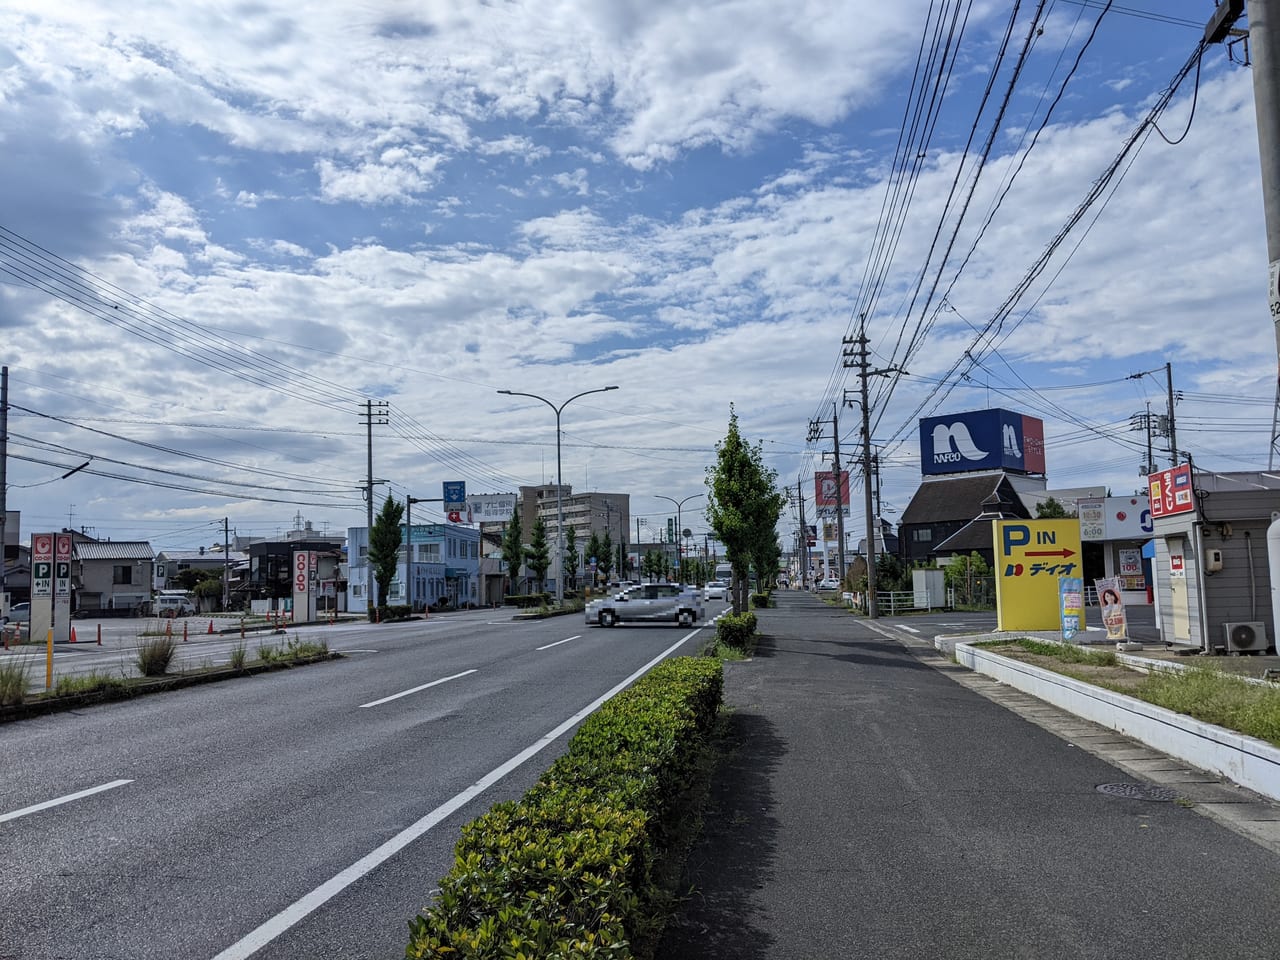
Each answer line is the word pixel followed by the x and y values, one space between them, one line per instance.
pixel 981 440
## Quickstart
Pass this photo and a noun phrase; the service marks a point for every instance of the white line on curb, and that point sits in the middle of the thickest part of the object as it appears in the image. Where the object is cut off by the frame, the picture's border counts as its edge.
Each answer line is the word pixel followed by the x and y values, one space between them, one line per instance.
pixel 558 642
pixel 36 808
pixel 405 693
pixel 293 914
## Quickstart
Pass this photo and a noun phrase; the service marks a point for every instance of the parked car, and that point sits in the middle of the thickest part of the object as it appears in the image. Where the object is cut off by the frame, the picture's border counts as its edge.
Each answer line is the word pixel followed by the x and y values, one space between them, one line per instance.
pixel 173 605
pixel 19 613
pixel 648 603
pixel 715 590
pixel 829 583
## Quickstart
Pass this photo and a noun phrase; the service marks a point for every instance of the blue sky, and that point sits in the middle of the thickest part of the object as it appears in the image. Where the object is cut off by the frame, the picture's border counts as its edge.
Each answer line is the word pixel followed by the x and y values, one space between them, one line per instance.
pixel 299 208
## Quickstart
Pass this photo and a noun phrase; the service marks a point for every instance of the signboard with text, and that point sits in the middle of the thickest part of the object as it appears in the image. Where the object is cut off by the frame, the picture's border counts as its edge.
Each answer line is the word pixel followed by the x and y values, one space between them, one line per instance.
pixel 42 565
pixel 1031 556
pixel 981 440
pixel 1171 491
pixel 455 496
pixel 831 498
pixel 491 507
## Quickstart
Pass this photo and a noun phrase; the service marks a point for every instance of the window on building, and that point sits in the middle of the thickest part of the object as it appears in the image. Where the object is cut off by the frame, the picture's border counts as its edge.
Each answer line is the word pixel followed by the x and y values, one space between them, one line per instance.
pixel 122 573
pixel 922 534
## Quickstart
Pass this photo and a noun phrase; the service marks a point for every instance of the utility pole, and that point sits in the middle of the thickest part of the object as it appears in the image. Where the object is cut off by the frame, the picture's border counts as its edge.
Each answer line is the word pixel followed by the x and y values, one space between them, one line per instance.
pixel 226 563
pixel 804 537
pixel 857 355
pixel 375 412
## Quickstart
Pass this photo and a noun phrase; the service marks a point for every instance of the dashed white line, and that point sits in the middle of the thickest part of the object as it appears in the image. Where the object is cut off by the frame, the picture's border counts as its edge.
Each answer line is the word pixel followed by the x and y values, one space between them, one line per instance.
pixel 36 808
pixel 405 693
pixel 903 626
pixel 256 939
pixel 558 642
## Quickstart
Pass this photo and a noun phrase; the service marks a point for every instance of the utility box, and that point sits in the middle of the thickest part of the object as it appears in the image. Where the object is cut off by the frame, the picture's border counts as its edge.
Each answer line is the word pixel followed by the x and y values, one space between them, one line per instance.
pixel 929 589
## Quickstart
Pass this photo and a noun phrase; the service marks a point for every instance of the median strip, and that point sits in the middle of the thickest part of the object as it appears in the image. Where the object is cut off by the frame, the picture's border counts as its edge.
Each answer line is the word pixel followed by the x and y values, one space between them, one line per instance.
pixel 36 808
pixel 405 693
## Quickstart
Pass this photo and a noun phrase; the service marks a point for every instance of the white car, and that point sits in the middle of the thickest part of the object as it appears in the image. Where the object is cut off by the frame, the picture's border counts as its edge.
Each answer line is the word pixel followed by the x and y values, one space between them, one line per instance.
pixel 715 590
pixel 648 603
pixel 830 583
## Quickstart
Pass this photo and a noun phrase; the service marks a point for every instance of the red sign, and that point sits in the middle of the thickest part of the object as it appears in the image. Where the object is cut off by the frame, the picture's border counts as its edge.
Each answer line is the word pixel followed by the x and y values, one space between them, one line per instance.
pixel 1176 564
pixel 1171 491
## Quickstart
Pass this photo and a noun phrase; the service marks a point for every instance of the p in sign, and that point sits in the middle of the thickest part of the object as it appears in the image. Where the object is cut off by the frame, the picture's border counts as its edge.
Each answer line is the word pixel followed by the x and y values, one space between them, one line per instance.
pixel 1031 555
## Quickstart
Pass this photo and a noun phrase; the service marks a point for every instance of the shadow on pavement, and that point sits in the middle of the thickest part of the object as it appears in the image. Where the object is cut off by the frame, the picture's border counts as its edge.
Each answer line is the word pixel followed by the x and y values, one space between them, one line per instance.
pixel 728 863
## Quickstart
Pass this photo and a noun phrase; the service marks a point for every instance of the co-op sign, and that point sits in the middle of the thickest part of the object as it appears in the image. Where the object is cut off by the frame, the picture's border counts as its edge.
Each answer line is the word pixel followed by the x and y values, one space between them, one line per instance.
pixel 981 440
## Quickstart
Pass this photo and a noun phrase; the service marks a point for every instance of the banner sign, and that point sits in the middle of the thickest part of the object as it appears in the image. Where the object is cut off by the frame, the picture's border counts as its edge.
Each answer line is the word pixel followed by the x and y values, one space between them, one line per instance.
pixel 62 565
pixel 830 498
pixel 1071 605
pixel 1114 518
pixel 1111 603
pixel 981 440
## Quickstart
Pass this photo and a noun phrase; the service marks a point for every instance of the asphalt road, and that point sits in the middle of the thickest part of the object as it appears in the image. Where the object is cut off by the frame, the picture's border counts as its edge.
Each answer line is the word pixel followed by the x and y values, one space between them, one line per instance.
pixel 298 813
pixel 870 806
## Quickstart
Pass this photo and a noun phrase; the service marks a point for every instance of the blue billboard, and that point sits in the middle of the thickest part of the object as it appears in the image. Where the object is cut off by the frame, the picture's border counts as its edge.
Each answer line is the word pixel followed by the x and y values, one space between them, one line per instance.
pixel 981 440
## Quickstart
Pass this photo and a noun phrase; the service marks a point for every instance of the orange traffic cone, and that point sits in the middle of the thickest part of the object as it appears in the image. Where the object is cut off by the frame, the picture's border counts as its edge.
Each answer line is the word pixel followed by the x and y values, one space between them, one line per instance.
pixel 184 631
pixel 73 634
pixel 211 626
pixel 168 628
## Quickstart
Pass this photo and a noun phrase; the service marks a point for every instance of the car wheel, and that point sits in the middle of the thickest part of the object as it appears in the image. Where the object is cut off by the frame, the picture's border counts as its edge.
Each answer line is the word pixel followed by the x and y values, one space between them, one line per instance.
pixel 685 618
pixel 608 618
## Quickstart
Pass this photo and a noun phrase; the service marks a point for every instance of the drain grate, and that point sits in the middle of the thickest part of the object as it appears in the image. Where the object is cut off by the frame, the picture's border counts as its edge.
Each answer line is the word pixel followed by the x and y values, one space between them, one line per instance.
pixel 1138 791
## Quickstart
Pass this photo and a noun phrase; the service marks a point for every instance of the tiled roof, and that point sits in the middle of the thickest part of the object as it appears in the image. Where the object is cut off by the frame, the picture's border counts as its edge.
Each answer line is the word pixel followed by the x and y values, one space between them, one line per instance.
pixel 114 550
pixel 952 498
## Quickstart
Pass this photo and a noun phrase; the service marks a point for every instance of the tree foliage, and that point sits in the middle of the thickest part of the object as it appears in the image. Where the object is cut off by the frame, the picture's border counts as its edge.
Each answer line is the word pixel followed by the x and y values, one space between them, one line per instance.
pixel 537 555
pixel 1052 509
pixel 593 553
pixel 743 508
pixel 606 556
pixel 384 546
pixel 570 559
pixel 513 549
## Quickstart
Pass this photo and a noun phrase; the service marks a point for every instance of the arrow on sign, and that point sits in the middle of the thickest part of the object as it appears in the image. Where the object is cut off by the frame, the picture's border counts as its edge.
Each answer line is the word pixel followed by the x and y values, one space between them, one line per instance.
pixel 1064 552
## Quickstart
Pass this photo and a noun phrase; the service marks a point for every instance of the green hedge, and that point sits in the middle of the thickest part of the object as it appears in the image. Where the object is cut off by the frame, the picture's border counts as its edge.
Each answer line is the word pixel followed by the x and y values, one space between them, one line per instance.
pixel 736 629
pixel 524 600
pixel 759 601
pixel 582 866
pixel 396 611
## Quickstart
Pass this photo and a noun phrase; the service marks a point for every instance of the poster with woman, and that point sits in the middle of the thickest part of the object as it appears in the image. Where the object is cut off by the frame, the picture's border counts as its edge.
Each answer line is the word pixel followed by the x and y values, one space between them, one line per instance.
pixel 1111 604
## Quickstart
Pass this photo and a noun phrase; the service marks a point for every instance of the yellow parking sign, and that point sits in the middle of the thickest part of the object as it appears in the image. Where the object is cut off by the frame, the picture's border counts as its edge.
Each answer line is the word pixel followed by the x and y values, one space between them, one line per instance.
pixel 1030 557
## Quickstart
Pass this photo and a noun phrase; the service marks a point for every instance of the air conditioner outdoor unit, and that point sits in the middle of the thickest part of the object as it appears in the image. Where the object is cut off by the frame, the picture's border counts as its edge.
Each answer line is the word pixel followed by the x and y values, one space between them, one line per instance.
pixel 1250 636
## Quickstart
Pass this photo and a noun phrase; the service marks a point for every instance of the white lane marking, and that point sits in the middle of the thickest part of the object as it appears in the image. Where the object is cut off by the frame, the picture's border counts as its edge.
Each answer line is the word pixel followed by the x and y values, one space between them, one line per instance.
pixel 255 940
pixel 903 626
pixel 357 651
pixel 36 808
pixel 405 693
pixel 558 642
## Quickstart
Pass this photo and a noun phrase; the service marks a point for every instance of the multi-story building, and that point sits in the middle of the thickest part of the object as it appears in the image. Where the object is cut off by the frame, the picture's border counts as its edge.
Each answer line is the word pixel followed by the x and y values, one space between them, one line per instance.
pixel 584 513
pixel 444 565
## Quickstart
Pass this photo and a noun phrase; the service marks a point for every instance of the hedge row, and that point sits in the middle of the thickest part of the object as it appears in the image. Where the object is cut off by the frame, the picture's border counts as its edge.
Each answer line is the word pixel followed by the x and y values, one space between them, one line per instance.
pixel 582 866
pixel 760 601
pixel 523 600
pixel 736 629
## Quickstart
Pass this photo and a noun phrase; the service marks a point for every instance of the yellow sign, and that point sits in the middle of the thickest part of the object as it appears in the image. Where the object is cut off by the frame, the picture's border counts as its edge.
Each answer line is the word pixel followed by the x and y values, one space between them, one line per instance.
pixel 1030 557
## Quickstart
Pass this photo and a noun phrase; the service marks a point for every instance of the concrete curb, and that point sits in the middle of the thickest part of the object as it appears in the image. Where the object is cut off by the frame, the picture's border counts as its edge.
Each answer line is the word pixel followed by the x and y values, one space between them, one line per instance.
pixel 1250 762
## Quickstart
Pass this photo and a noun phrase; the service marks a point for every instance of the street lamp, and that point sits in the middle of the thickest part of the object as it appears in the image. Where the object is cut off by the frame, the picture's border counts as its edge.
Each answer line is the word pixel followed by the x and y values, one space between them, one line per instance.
pixel 559 479
pixel 679 522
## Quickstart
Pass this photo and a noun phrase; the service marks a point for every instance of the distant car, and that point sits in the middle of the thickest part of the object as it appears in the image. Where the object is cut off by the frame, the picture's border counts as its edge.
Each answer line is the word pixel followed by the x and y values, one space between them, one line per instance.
pixel 648 603
pixel 715 590
pixel 829 583
pixel 20 613
pixel 169 605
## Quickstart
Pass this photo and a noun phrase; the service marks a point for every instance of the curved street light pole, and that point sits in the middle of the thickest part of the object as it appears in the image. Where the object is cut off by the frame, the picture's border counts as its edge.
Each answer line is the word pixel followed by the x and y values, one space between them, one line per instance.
pixel 680 523
pixel 559 479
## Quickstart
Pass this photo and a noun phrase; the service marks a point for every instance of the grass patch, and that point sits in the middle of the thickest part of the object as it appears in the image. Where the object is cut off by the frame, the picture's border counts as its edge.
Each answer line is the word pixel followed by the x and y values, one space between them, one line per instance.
pixel 90 682
pixel 239 653
pixel 728 653
pixel 1067 652
pixel 14 678
pixel 1222 699
pixel 155 654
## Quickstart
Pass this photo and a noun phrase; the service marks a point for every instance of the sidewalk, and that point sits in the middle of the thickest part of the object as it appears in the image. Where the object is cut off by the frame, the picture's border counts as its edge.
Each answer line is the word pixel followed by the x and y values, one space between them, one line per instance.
pixel 870 806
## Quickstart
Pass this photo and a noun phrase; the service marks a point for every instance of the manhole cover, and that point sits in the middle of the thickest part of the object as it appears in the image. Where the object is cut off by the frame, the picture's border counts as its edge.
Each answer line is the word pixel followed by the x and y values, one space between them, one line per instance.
pixel 1138 791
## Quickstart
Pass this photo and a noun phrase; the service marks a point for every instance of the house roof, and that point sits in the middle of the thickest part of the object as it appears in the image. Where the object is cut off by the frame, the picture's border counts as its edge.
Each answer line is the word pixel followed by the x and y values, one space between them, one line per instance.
pixel 951 498
pixel 114 550
pixel 194 555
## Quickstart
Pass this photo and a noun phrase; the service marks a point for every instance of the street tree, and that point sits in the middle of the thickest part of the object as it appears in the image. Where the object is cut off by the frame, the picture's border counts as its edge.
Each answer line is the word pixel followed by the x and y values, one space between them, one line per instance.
pixel 537 555
pixel 513 549
pixel 743 506
pixel 606 556
pixel 1051 508
pixel 570 559
pixel 384 547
